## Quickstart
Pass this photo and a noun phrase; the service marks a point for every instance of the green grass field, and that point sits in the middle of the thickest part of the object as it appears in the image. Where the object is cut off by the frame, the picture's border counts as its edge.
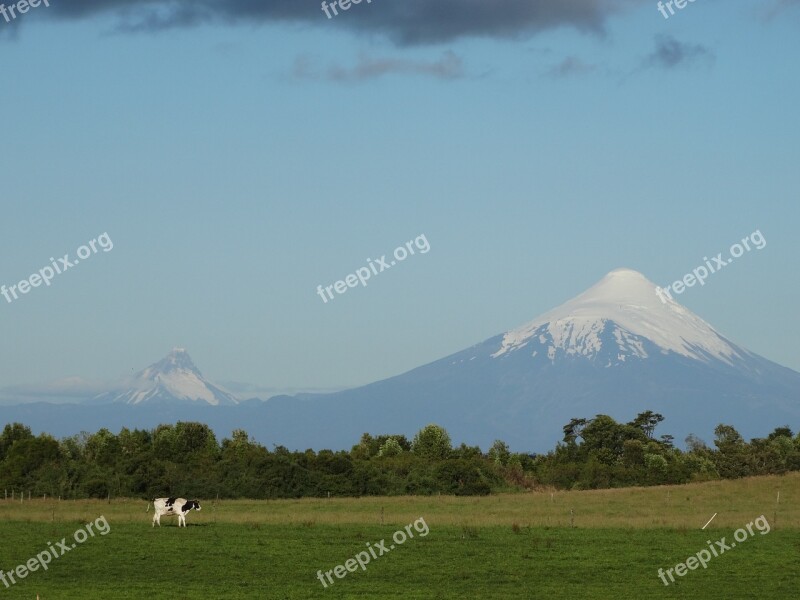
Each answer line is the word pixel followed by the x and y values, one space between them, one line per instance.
pixel 603 544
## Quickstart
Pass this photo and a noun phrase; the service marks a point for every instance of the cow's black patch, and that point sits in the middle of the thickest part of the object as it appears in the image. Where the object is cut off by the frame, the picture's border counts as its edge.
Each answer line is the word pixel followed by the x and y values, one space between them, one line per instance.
pixel 188 506
pixel 171 501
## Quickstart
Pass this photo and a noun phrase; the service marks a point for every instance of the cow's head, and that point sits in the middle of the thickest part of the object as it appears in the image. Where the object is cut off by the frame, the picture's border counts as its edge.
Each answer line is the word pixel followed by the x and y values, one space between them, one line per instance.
pixel 190 504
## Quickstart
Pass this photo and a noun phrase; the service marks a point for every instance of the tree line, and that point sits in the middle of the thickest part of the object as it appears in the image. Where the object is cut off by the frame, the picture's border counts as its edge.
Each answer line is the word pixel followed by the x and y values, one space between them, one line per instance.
pixel 186 459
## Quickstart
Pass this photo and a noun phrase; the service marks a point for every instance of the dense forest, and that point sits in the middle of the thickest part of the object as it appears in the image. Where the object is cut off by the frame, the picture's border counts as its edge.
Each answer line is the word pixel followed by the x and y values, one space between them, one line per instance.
pixel 186 459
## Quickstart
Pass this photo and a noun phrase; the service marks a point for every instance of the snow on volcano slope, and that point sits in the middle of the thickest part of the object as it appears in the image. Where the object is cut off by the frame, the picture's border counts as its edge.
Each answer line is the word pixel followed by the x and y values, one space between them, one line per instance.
pixel 625 300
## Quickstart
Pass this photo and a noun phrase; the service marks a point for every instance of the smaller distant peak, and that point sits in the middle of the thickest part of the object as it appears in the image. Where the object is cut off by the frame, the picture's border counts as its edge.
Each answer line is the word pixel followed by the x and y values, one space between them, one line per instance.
pixel 178 350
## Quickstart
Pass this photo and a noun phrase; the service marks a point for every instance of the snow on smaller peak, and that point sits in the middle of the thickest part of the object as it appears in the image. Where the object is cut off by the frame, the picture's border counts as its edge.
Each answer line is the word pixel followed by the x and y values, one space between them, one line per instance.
pixel 186 385
pixel 629 300
pixel 176 376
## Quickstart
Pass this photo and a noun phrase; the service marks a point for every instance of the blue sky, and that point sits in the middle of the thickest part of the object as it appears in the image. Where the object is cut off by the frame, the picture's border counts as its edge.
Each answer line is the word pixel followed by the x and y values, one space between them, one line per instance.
pixel 238 159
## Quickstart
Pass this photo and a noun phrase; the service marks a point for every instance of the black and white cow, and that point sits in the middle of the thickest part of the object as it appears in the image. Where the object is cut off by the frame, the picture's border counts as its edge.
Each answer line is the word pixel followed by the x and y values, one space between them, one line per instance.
pixel 173 506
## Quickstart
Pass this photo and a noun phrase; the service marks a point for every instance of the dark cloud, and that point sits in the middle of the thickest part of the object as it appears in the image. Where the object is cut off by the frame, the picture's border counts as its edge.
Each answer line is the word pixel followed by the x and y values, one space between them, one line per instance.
pixel 406 22
pixel 450 66
pixel 670 53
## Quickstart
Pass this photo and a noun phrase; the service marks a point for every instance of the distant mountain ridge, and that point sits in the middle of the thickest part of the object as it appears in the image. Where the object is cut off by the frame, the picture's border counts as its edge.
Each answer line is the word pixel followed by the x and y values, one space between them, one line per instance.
pixel 615 349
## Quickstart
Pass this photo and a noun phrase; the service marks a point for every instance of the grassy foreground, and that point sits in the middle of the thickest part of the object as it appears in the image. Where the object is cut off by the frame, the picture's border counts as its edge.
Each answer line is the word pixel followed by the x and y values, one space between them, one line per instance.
pixel 604 544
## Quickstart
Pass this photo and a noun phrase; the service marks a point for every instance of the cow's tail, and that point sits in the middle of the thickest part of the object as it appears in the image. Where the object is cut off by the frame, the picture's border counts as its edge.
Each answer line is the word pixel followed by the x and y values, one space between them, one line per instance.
pixel 148 507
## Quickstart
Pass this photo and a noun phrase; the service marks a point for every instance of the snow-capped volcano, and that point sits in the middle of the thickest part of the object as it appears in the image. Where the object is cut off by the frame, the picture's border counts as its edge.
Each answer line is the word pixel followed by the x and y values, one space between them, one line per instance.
pixel 623 308
pixel 615 349
pixel 174 378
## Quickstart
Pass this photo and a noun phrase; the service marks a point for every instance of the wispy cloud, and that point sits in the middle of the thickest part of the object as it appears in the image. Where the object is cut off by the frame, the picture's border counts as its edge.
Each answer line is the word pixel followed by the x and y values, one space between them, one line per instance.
pixel 78 390
pixel 70 389
pixel 449 66
pixel 571 65
pixel 776 7
pixel 246 391
pixel 669 53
